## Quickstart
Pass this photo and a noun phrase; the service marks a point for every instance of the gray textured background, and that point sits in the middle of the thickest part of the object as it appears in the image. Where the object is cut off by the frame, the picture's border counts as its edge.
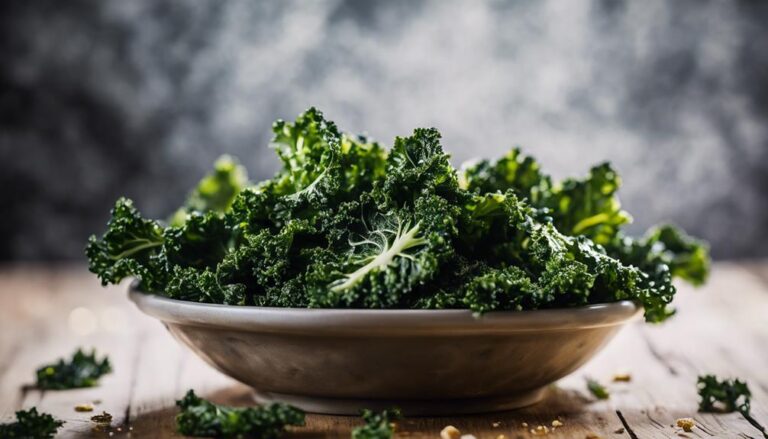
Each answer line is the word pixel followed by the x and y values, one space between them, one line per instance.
pixel 106 98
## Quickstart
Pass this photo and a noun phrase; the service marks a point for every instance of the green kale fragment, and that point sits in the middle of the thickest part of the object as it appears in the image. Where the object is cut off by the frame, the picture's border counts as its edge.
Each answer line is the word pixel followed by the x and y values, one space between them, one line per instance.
pixel 31 424
pixel 83 370
pixel 597 390
pixel 377 425
pixel 199 417
pixel 726 395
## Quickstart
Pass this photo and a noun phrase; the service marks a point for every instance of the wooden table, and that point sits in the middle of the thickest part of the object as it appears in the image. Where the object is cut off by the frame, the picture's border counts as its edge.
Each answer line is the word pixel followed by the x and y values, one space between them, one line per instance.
pixel 47 312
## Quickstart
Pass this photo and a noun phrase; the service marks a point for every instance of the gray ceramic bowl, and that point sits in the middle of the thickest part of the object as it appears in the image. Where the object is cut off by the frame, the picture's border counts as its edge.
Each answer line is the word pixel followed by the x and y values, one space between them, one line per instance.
pixel 423 361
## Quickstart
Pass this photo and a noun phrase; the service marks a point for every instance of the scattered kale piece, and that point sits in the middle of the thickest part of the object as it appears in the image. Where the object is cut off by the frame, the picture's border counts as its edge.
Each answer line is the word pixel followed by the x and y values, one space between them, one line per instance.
pixel 199 417
pixel 597 390
pixel 726 396
pixel 377 425
pixel 83 370
pixel 348 223
pixel 31 424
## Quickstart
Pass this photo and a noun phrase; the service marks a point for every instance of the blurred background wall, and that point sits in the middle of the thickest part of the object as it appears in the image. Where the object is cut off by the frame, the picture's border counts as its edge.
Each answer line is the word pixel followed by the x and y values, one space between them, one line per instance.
pixel 106 98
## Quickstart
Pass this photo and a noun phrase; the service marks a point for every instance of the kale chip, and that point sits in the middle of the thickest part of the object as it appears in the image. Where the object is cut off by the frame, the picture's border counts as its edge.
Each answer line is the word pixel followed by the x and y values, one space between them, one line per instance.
pixel 199 417
pixel 377 425
pixel 31 424
pixel 83 370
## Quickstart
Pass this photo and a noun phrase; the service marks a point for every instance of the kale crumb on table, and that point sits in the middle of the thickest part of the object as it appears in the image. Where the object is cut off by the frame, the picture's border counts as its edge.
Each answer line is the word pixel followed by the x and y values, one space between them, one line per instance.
pixel 199 417
pixel 377 425
pixel 83 370
pixel 349 223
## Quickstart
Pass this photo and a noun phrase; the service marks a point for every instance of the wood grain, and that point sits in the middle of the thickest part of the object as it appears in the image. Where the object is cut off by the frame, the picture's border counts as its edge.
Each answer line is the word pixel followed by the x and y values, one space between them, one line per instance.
pixel 721 328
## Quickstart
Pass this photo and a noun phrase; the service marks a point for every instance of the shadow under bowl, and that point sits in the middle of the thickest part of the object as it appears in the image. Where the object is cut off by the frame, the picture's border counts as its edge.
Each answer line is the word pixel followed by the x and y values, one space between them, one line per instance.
pixel 426 362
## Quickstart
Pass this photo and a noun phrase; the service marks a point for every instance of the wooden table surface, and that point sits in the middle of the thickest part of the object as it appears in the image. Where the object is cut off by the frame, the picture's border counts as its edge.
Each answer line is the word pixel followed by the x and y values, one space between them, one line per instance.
pixel 47 312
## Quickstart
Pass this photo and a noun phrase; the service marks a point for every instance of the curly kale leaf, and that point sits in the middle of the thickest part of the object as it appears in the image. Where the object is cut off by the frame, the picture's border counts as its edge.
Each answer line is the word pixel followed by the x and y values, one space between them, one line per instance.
pixel 199 417
pixel 216 191
pixel 396 251
pixel 589 206
pixel 514 171
pixel 202 242
pixel 31 424
pixel 204 286
pixel 321 168
pixel 363 162
pixel 727 396
pixel 83 370
pixel 505 288
pixel 552 269
pixel 278 261
pixel 377 425
pixel 578 206
pixel 132 246
pixel 310 150
pixel 417 166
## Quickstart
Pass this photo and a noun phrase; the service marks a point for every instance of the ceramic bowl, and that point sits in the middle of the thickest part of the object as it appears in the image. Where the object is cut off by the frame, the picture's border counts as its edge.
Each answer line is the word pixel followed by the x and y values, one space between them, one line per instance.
pixel 426 362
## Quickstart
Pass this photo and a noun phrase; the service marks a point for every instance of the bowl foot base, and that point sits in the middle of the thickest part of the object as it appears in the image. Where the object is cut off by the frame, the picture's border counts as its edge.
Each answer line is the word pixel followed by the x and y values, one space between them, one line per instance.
pixel 409 407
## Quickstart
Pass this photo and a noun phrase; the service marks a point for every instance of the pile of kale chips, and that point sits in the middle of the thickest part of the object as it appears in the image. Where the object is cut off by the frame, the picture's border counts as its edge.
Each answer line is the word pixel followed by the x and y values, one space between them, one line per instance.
pixel 347 223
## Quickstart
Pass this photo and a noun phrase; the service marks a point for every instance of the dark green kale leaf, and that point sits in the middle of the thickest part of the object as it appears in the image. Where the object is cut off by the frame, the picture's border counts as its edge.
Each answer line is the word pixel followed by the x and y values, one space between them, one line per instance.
pixel 310 149
pixel 31 424
pixel 207 286
pixel 418 166
pixel 726 396
pixel 377 425
pixel 552 269
pixel 395 252
pixel 505 288
pixel 216 191
pixel 199 417
pixel 514 171
pixel 131 247
pixel 83 370
pixel 363 162
pixel 589 206
pixel 201 242
pixel 578 206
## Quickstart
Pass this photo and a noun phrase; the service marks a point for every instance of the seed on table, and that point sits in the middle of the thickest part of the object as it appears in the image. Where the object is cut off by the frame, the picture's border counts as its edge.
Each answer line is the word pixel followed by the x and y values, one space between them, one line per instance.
pixel 450 432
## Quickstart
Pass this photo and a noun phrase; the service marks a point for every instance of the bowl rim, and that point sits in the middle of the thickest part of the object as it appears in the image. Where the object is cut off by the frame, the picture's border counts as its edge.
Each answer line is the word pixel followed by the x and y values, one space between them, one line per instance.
pixel 369 322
